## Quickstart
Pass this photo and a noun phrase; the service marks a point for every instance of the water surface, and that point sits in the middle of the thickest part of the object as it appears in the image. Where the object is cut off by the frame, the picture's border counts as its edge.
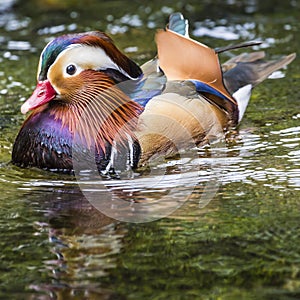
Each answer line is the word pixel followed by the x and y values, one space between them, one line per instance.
pixel 236 235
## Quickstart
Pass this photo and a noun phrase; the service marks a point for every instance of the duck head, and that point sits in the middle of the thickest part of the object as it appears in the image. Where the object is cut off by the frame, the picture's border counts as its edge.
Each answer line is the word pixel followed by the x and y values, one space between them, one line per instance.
pixel 80 70
pixel 69 63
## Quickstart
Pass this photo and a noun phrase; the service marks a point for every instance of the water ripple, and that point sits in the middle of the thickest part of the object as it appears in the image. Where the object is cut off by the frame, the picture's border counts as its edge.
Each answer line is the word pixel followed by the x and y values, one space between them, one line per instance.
pixel 224 31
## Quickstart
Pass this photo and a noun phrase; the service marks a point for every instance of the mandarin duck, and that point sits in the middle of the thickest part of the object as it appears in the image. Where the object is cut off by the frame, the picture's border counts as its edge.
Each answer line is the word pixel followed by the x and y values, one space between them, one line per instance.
pixel 91 97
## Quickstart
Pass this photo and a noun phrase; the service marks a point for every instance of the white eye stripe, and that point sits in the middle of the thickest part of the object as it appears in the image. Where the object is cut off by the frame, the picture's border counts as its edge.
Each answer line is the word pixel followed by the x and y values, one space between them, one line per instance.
pixel 86 57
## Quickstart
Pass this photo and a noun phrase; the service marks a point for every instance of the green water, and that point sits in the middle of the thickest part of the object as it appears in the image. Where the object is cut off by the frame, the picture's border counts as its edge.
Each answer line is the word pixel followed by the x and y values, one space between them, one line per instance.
pixel 237 236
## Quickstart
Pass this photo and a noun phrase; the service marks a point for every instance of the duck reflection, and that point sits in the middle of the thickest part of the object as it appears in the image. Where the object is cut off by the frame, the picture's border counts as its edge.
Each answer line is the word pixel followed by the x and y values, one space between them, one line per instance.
pixel 85 243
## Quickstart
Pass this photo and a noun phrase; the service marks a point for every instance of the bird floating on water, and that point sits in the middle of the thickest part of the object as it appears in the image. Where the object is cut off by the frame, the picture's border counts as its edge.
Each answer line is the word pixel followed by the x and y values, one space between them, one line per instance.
pixel 90 97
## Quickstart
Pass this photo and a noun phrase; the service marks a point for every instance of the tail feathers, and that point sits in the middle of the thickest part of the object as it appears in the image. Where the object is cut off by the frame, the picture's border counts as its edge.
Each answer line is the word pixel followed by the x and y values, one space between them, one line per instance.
pixel 251 69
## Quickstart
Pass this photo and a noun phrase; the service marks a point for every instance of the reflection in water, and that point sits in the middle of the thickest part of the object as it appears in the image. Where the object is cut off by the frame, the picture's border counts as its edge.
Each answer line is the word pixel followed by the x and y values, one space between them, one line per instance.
pixel 149 197
pixel 87 249
pixel 87 244
pixel 84 241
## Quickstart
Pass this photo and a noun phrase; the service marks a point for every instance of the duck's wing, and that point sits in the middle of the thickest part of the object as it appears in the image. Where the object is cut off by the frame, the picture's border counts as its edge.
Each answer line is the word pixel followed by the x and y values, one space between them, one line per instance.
pixel 182 58
pixel 154 80
pixel 251 68
pixel 179 118
pixel 151 84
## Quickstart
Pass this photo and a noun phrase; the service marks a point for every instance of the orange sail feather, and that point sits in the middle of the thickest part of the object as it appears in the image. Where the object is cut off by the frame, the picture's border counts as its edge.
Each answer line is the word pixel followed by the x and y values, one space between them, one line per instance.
pixel 182 58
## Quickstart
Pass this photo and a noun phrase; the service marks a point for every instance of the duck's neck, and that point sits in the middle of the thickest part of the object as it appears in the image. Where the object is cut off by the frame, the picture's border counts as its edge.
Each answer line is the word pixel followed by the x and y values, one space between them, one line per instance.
pixel 93 124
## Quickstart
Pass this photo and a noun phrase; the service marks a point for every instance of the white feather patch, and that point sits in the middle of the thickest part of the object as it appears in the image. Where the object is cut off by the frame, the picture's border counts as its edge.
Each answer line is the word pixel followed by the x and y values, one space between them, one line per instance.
pixel 242 96
pixel 86 57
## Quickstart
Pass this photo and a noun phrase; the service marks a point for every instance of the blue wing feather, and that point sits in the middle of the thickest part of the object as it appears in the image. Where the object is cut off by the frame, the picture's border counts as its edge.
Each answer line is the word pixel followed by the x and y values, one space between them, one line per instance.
pixel 202 87
pixel 143 89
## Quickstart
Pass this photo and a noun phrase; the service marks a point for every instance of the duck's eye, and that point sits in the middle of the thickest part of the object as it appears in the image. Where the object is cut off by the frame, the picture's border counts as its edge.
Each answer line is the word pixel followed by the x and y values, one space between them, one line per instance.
pixel 71 69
